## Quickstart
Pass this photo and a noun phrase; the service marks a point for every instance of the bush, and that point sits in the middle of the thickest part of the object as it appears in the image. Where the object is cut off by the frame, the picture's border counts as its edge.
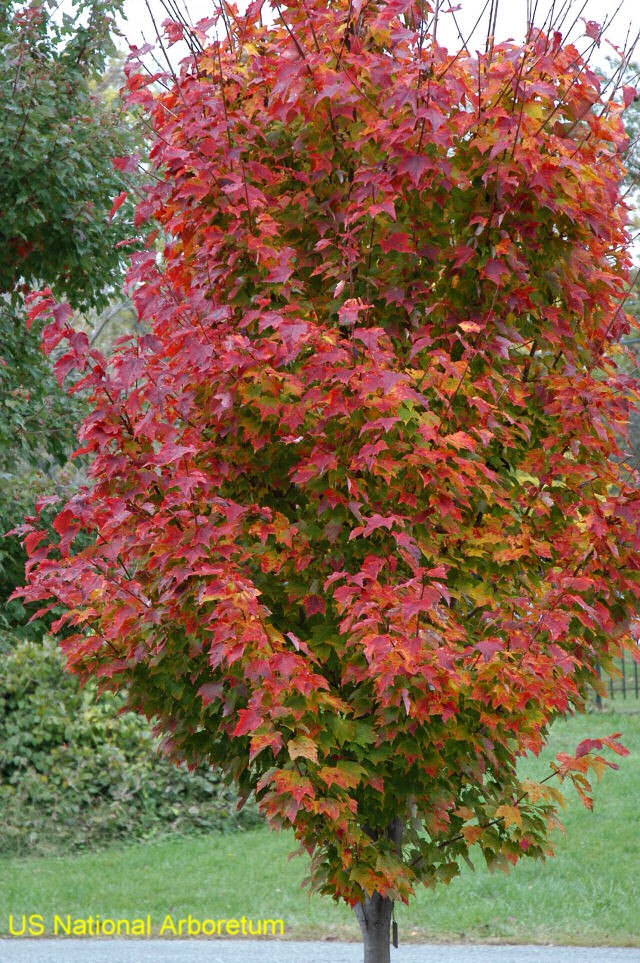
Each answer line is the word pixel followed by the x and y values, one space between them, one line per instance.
pixel 77 772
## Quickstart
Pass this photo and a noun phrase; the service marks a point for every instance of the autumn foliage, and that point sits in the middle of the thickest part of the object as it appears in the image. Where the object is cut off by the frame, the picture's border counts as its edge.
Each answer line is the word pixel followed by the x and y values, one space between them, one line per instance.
pixel 359 523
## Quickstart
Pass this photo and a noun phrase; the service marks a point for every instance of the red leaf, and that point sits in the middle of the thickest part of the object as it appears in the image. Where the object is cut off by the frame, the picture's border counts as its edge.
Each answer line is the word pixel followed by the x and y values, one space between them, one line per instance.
pixel 254 9
pixel 415 165
pixel 127 164
pixel 314 605
pixel 489 647
pixel 209 147
pixel 170 453
pixel 119 201
pixel 210 692
pixel 174 32
pixel 248 721
pixel 592 29
pixel 350 311
pixel 495 270
pixel 397 242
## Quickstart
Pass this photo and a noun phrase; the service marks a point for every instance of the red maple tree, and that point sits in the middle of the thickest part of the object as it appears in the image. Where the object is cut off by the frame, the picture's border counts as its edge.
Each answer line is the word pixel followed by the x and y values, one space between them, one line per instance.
pixel 358 525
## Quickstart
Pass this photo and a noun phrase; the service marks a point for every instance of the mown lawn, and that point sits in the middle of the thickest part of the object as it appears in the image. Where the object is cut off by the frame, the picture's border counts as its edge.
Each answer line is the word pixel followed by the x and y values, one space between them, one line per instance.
pixel 587 894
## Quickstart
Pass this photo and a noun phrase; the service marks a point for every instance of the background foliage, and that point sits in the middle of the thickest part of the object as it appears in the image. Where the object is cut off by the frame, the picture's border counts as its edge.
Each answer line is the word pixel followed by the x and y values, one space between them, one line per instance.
pixel 58 144
pixel 77 772
pixel 37 434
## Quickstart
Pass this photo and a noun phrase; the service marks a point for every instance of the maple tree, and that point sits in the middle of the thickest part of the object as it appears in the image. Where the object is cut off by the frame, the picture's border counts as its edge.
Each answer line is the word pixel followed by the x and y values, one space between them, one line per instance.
pixel 358 527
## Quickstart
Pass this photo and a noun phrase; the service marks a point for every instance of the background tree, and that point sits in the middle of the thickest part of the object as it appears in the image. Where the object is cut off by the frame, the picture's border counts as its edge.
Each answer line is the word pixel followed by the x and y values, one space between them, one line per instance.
pixel 358 528
pixel 58 141
pixel 37 432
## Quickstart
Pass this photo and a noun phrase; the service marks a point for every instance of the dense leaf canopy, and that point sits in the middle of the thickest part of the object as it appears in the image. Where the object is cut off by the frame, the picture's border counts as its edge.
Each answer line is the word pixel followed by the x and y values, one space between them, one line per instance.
pixel 363 528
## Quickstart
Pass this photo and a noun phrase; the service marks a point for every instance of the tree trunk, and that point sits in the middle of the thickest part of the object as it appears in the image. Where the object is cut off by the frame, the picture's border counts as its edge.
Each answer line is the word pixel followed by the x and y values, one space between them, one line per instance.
pixel 374 917
pixel 375 911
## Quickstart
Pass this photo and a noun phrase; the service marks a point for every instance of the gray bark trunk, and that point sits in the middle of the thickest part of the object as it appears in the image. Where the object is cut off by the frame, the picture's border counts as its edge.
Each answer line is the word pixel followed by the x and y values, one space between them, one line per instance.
pixel 374 917
pixel 374 913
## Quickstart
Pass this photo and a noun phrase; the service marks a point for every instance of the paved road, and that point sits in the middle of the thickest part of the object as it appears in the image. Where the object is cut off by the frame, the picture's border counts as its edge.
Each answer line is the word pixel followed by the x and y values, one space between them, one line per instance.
pixel 278 951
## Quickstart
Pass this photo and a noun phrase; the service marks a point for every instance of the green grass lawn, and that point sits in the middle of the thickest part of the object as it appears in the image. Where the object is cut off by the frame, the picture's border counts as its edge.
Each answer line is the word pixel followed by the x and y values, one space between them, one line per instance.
pixel 587 894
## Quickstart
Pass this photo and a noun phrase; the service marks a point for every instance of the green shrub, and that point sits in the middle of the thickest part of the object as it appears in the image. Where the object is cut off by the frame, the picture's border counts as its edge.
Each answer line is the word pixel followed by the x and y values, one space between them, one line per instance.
pixel 77 772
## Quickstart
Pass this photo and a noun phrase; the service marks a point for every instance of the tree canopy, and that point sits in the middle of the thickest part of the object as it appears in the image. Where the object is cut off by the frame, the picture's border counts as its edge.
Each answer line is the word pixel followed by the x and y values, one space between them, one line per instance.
pixel 360 524
pixel 58 143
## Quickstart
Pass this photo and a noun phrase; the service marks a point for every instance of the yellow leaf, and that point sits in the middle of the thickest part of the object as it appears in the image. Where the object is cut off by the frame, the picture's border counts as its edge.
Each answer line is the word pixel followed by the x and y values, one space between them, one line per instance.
pixel 464 812
pixel 472 834
pixel 523 476
pixel 511 815
pixel 303 747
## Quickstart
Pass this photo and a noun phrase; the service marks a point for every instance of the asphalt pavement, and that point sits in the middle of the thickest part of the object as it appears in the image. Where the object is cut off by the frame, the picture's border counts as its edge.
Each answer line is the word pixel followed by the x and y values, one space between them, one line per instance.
pixel 280 951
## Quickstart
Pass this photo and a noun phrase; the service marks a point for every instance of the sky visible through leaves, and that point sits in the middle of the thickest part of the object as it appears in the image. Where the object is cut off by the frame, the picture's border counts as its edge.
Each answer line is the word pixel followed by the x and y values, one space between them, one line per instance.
pixel 512 18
